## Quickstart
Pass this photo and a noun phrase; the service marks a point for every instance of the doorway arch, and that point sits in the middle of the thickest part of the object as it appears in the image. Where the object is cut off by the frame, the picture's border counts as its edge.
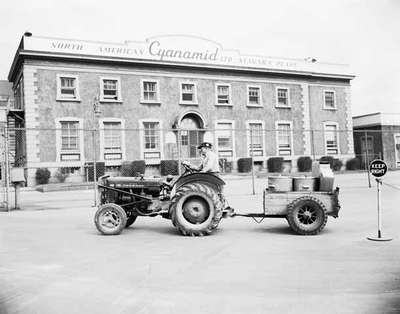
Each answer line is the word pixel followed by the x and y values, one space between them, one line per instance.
pixel 191 125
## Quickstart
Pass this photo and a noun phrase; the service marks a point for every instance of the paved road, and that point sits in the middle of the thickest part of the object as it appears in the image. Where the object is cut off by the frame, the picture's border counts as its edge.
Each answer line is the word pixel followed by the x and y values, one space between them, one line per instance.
pixel 54 261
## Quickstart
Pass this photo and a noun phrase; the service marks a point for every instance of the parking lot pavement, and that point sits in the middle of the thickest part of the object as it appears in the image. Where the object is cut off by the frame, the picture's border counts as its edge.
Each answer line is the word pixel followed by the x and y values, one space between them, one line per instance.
pixel 54 261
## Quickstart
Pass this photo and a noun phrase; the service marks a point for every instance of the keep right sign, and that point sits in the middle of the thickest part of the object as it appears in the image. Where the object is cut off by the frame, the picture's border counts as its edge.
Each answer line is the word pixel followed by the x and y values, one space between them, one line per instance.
pixel 378 168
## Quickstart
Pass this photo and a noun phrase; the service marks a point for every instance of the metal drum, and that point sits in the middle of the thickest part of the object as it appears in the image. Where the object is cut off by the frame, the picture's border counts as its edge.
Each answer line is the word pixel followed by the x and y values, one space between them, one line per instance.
pixel 280 183
pixel 305 183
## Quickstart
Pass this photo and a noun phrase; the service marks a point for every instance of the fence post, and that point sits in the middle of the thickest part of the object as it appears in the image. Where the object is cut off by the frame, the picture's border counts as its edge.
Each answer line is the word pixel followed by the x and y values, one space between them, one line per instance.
pixel 312 144
pixel 6 167
pixel 252 161
pixel 178 141
pixel 367 158
pixel 94 167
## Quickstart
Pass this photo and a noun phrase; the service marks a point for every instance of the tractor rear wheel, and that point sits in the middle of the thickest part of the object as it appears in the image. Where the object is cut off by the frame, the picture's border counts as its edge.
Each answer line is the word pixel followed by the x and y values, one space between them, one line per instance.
pixel 196 209
pixel 307 215
pixel 110 219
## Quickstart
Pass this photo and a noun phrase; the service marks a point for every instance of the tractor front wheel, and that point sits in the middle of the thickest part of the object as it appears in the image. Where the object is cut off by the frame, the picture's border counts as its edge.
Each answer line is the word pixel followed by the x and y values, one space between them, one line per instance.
pixel 307 215
pixel 196 209
pixel 110 219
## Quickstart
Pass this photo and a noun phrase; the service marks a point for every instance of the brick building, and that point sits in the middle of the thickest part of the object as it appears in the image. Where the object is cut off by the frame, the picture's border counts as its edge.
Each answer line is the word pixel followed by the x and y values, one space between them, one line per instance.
pixel 174 87
pixel 377 135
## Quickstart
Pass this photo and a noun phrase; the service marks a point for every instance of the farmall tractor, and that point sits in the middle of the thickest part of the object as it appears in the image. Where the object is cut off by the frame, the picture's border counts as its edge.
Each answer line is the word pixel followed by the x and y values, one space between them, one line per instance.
pixel 195 202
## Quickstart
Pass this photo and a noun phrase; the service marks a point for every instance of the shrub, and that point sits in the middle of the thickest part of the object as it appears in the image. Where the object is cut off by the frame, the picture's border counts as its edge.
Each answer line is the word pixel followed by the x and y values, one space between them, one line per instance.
pixel 244 164
pixel 61 175
pixel 133 168
pixel 337 164
pixel 42 175
pixel 327 159
pixel 275 164
pixel 169 167
pixel 353 164
pixel 100 170
pixel 304 164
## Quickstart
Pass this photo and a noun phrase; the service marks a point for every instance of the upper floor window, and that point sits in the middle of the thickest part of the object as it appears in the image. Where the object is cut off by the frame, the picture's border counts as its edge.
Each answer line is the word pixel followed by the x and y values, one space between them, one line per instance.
pixel 329 100
pixel 67 87
pixel 223 94
pixel 110 89
pixel 188 93
pixel 253 96
pixel 331 138
pixel 282 97
pixel 150 92
pixel 284 138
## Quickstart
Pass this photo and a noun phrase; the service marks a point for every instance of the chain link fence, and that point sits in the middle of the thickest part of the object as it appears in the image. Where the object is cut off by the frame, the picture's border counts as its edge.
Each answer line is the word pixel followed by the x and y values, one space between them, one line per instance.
pixel 70 157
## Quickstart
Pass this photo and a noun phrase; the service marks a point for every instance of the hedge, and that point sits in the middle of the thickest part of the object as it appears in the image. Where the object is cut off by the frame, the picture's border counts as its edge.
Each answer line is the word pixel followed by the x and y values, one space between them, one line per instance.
pixel 335 163
pixel 133 168
pixel 353 164
pixel 169 167
pixel 225 166
pixel 275 164
pixel 244 164
pixel 42 175
pixel 304 164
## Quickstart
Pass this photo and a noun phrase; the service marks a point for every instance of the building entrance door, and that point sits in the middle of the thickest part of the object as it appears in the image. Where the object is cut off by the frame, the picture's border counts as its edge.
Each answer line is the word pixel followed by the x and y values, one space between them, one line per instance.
pixel 191 136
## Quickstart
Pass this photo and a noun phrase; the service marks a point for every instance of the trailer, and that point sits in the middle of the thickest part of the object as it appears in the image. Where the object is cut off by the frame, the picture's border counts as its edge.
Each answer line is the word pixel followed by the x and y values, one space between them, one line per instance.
pixel 195 202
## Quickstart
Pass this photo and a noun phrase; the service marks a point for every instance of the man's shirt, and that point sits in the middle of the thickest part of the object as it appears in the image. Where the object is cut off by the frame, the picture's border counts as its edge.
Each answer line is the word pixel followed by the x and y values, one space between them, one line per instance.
pixel 209 162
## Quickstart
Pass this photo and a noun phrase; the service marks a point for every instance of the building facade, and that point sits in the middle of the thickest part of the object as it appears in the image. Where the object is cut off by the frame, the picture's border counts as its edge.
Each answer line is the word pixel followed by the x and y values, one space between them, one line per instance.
pixel 160 98
pixel 377 135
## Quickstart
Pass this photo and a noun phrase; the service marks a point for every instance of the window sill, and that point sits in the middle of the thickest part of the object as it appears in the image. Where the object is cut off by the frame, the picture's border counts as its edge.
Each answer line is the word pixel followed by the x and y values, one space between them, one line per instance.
pixel 68 99
pixel 147 102
pixel 184 103
pixel 330 109
pixel 117 101
pixel 283 107
pixel 224 105
pixel 254 106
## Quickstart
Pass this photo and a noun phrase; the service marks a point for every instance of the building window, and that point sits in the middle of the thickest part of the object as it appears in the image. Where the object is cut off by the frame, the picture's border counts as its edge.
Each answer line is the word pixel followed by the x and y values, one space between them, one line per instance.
pixel 150 92
pixel 188 93
pixel 223 94
pixel 282 97
pixel 284 138
pixel 225 142
pixel 112 140
pixel 110 89
pixel 254 96
pixel 67 87
pixel 329 100
pixel 151 140
pixel 69 139
pixel 331 138
pixel 255 139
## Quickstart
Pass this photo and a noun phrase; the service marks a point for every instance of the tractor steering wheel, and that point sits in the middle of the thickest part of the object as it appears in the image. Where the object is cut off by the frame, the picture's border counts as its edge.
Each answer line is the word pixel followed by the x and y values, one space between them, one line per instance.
pixel 187 167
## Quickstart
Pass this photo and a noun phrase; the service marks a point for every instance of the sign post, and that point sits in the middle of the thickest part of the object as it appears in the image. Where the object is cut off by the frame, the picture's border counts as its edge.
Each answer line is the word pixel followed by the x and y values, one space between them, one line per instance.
pixel 378 169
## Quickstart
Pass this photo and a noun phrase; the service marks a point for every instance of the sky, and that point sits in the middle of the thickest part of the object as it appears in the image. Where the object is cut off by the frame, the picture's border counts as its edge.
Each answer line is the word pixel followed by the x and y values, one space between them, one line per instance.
pixel 362 33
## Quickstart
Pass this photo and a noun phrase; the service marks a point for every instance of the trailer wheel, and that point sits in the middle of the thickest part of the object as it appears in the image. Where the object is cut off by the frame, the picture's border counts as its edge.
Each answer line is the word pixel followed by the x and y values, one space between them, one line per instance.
pixel 131 218
pixel 196 209
pixel 110 219
pixel 307 215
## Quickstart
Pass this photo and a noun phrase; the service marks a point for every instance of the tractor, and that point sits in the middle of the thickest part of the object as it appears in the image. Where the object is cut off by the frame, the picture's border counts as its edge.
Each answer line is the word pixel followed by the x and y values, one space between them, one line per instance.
pixel 195 202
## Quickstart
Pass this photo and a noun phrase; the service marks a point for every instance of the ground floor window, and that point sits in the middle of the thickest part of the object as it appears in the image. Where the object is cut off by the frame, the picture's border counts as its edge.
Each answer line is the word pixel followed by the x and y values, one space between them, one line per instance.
pixel 69 140
pixel 151 140
pixel 284 138
pixel 112 139
pixel 255 135
pixel 331 138
pixel 224 135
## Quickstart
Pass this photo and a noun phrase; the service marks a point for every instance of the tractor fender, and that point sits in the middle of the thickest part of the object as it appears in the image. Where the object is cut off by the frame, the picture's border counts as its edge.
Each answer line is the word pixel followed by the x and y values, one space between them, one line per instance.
pixel 208 178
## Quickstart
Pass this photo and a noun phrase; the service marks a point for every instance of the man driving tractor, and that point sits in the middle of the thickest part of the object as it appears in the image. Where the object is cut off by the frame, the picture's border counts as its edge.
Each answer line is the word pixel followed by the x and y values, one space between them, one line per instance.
pixel 209 159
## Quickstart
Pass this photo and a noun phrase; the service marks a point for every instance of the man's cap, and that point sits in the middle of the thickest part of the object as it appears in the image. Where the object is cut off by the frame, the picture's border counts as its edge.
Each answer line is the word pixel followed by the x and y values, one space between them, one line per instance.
pixel 204 144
